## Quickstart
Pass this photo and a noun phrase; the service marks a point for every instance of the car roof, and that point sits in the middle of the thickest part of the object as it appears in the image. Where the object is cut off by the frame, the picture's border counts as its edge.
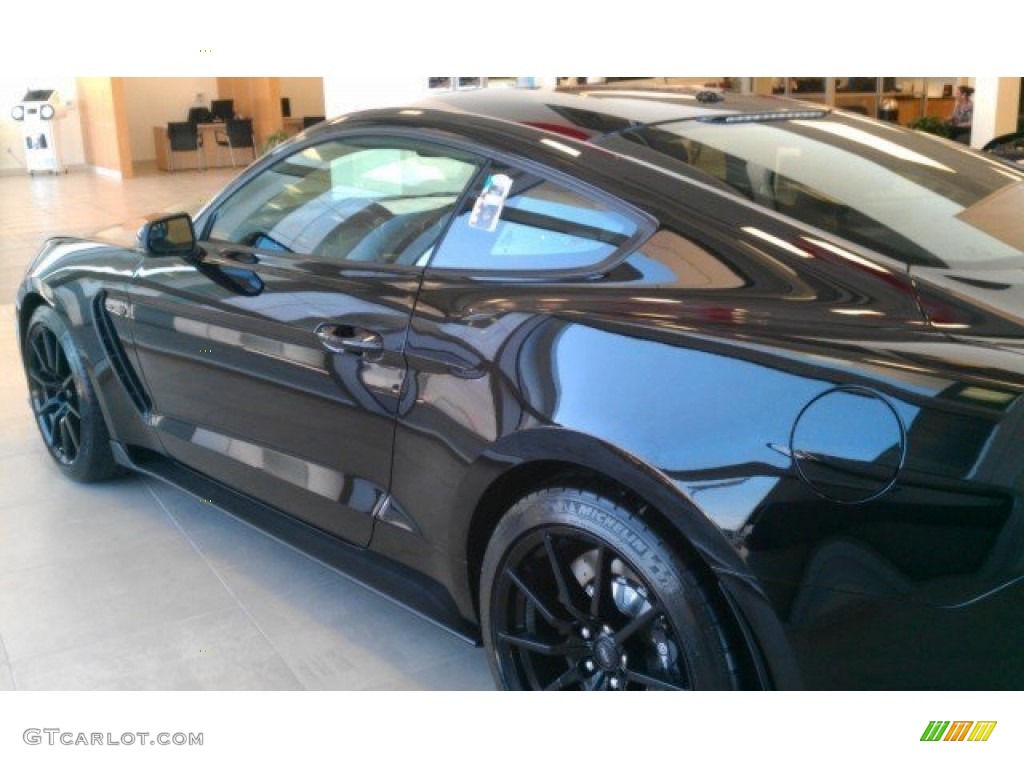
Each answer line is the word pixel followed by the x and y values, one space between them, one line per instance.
pixel 587 113
pixel 520 122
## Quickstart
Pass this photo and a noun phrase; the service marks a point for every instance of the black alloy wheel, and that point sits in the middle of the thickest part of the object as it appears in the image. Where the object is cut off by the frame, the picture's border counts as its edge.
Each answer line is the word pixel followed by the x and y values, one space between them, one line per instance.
pixel 63 402
pixel 53 394
pixel 579 594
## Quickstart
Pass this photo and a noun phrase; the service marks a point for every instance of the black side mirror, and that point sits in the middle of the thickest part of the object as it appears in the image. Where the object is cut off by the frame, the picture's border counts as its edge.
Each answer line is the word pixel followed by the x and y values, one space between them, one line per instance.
pixel 171 235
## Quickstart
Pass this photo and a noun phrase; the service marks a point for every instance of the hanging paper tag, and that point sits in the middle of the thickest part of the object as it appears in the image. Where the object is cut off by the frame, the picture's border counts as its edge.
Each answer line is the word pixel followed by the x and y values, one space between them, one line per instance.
pixel 488 206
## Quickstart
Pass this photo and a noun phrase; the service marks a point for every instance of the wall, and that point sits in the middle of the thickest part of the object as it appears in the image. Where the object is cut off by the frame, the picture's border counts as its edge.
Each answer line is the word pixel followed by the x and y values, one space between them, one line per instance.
pixel 255 97
pixel 11 92
pixel 305 93
pixel 104 124
pixel 996 108
pixel 932 87
pixel 153 101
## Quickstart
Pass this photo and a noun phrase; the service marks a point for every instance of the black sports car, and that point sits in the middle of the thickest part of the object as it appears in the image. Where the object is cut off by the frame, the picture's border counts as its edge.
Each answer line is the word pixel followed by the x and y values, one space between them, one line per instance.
pixel 645 390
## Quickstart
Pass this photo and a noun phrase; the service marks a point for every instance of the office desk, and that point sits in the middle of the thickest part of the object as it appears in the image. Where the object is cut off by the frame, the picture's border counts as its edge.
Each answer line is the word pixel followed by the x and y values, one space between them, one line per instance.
pixel 213 155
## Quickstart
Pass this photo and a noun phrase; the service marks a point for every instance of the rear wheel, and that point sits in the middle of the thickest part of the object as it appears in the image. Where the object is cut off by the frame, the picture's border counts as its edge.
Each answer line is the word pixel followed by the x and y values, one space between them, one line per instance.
pixel 579 593
pixel 63 401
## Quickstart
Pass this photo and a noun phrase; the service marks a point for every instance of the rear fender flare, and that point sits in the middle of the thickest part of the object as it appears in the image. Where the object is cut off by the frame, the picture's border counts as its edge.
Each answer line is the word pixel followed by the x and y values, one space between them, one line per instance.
pixel 573 449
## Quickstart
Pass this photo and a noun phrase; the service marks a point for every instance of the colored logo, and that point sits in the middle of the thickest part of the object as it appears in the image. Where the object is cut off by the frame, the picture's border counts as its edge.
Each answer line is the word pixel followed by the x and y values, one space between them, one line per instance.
pixel 958 730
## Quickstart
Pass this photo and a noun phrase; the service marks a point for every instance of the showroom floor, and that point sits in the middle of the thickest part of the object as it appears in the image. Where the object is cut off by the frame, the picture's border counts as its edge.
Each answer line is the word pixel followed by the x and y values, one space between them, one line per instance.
pixel 134 585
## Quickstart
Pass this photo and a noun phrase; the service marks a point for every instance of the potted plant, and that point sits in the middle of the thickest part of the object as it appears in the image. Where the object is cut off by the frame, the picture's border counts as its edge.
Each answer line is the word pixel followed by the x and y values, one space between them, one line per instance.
pixel 930 125
pixel 273 140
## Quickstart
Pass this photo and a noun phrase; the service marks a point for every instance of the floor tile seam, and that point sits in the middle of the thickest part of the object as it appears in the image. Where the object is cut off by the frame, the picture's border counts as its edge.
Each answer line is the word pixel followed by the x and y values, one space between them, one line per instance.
pixel 297 550
pixel 380 593
pixel 51 563
pixel 124 636
pixel 241 605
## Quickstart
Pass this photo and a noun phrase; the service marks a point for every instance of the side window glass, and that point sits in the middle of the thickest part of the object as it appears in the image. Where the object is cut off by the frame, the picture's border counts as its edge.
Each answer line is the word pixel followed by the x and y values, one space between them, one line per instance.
pixel 367 200
pixel 514 220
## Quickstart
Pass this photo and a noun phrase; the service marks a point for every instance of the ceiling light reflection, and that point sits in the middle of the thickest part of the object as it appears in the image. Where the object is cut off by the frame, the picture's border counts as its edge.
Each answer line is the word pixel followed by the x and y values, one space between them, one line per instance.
pixel 564 148
pixel 778 242
pixel 890 148
pixel 846 254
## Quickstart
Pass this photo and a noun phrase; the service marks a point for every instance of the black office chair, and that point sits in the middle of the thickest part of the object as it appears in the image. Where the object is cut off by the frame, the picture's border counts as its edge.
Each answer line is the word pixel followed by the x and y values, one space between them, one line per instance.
pixel 237 134
pixel 310 120
pixel 184 137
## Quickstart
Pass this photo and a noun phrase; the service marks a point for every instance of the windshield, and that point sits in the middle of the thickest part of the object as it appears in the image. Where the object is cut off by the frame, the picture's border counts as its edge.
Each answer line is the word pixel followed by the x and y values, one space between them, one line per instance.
pixel 907 195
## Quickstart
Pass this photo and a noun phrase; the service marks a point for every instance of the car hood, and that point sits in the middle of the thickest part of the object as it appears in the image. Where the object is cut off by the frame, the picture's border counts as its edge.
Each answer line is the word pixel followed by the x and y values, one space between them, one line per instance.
pixel 978 304
pixel 125 233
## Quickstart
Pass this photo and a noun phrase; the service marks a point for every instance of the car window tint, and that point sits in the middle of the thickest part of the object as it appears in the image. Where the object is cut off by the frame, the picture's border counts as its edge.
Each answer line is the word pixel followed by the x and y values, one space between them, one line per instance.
pixel 517 221
pixel 354 200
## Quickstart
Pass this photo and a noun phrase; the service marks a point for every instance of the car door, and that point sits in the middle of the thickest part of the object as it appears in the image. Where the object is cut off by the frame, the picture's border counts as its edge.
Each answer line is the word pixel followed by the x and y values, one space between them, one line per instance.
pixel 275 361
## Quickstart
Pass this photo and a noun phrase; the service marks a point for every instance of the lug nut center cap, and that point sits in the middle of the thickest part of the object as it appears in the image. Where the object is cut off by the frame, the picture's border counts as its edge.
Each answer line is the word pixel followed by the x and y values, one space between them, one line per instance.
pixel 606 653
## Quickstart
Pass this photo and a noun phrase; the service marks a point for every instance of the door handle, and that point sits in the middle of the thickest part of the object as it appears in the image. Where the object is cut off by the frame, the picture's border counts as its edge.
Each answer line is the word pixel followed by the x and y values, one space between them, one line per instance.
pixel 349 338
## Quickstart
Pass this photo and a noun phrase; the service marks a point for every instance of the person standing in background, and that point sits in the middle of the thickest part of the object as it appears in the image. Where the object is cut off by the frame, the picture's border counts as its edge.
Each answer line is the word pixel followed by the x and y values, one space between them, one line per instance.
pixel 963 114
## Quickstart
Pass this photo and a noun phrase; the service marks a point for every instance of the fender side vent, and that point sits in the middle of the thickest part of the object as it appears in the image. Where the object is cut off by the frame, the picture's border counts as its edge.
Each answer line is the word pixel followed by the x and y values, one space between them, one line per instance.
pixel 118 359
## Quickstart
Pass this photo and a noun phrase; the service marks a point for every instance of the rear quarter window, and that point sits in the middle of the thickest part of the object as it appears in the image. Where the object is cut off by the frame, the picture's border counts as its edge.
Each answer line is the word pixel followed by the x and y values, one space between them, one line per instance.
pixel 517 221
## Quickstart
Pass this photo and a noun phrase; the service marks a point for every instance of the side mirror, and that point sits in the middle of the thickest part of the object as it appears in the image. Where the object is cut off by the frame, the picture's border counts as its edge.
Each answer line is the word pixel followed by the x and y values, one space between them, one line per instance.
pixel 171 235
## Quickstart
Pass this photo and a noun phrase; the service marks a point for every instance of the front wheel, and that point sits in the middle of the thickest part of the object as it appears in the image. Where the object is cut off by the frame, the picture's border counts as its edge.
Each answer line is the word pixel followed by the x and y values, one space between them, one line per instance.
pixel 63 401
pixel 578 593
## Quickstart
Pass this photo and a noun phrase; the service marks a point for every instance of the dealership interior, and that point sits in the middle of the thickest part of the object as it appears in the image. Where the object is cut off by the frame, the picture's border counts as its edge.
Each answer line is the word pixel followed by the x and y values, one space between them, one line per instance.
pixel 132 584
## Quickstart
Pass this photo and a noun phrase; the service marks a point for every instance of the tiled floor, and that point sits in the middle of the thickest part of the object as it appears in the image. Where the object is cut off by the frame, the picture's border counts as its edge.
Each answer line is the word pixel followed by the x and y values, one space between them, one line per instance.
pixel 134 585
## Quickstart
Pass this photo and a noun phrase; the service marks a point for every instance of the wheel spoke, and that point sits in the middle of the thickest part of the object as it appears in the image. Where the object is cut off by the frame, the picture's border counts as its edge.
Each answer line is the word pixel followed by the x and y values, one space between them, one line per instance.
pixel 571 676
pixel 39 353
pixel 546 612
pixel 62 433
pixel 561 581
pixel 46 425
pixel 63 367
pixel 51 352
pixel 600 577
pixel 72 427
pixel 536 645
pixel 51 403
pixel 652 683
pixel 59 363
pixel 638 623
pixel 38 377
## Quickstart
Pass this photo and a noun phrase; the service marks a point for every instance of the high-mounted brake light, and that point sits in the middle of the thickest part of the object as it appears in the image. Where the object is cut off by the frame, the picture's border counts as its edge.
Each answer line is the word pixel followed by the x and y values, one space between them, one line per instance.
pixel 766 117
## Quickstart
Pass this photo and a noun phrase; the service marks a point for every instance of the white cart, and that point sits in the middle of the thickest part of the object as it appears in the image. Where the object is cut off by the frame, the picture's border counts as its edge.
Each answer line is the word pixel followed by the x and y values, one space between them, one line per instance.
pixel 40 113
